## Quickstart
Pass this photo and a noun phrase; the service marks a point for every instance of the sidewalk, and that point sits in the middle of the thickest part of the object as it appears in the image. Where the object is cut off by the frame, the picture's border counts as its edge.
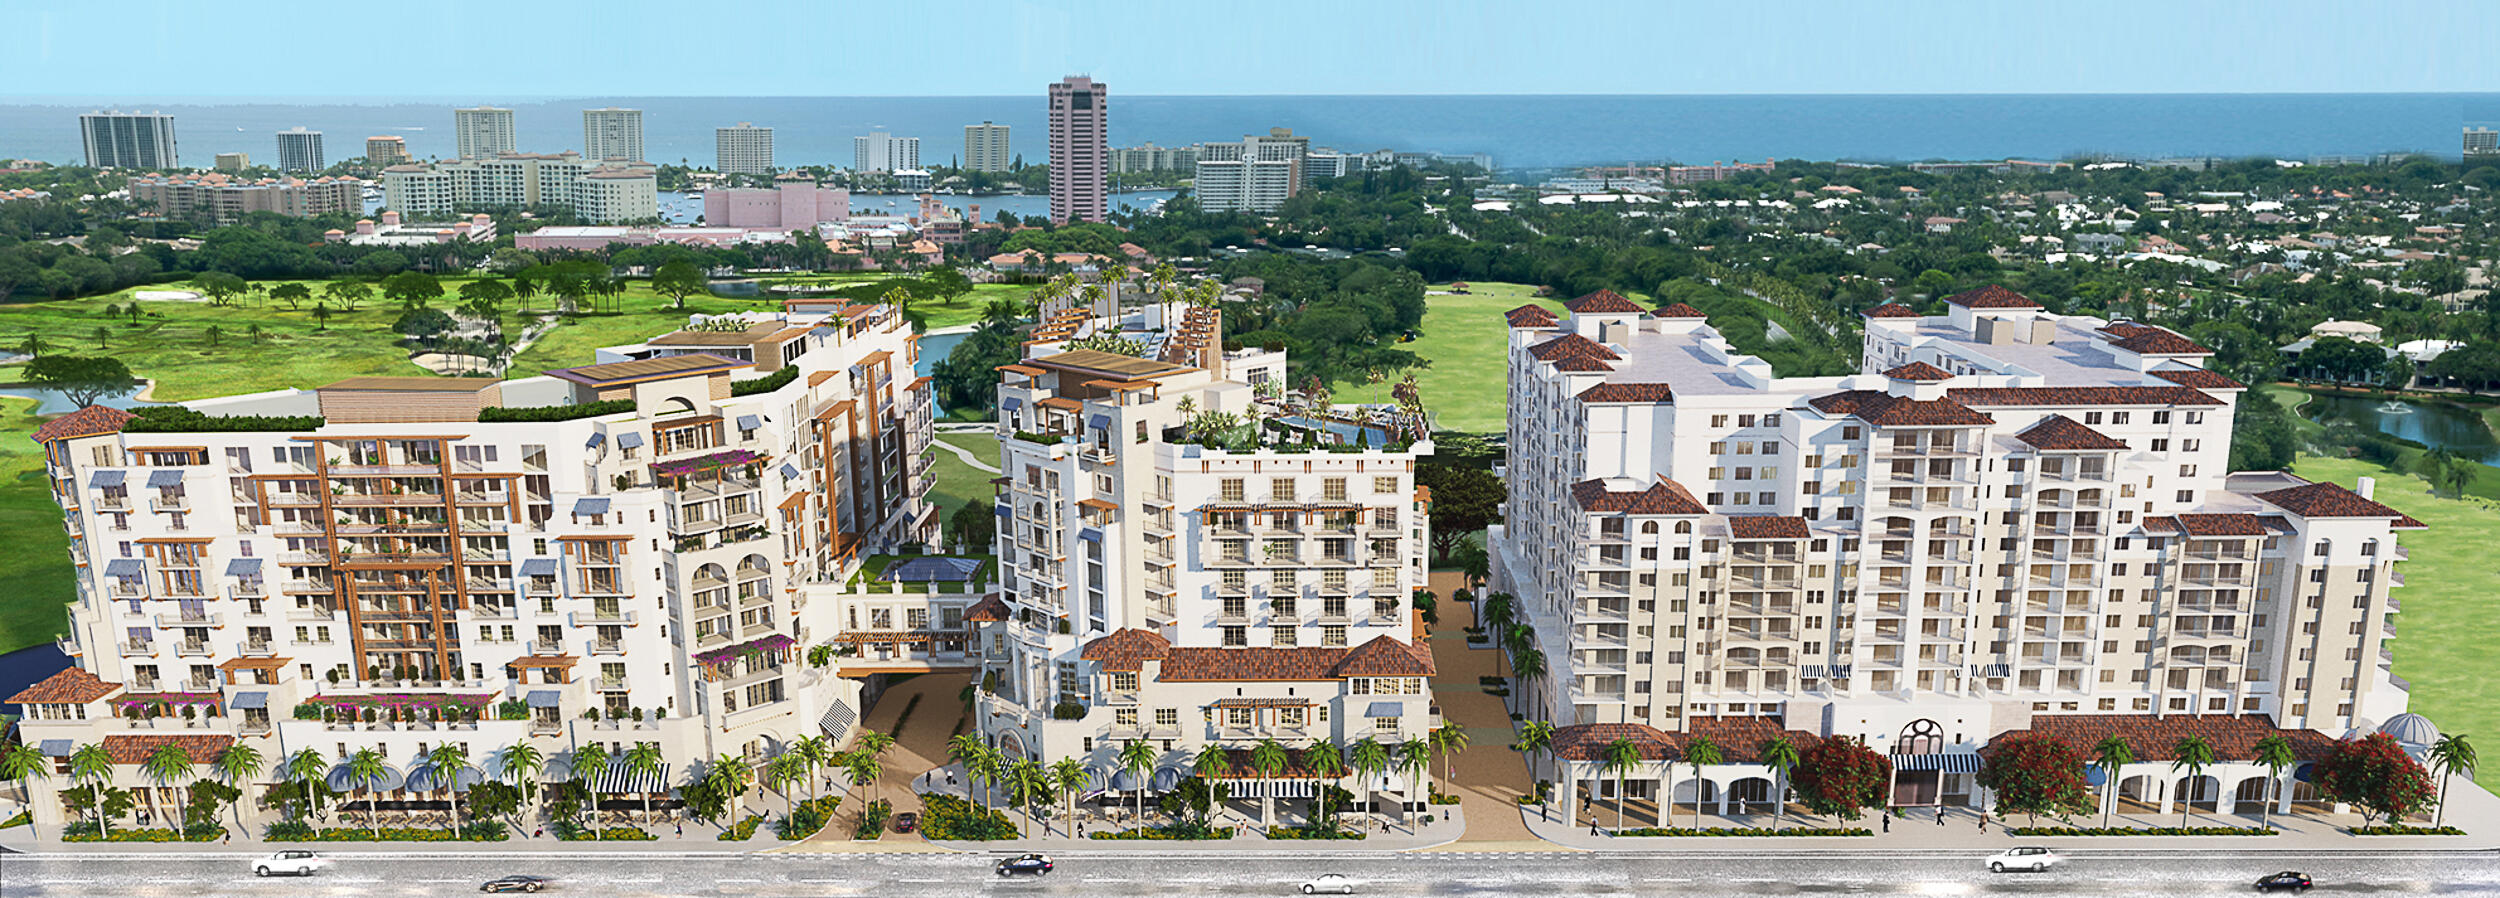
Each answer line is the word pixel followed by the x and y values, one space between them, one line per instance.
pixel 1488 776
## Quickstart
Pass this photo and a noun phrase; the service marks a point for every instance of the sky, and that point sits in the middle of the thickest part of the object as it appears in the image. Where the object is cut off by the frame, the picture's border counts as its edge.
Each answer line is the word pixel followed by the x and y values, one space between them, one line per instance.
pixel 141 50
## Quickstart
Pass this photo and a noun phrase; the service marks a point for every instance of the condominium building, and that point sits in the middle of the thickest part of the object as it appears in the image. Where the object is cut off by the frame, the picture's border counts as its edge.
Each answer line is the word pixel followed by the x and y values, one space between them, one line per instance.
pixel 743 149
pixel 1079 112
pixel 233 162
pixel 599 192
pixel 880 151
pixel 1254 174
pixel 483 131
pixel 2009 520
pixel 385 150
pixel 1324 163
pixel 225 198
pixel 2481 142
pixel 1175 576
pixel 631 551
pixel 129 140
pixel 1149 158
pixel 299 150
pixel 985 148
pixel 612 134
pixel 787 205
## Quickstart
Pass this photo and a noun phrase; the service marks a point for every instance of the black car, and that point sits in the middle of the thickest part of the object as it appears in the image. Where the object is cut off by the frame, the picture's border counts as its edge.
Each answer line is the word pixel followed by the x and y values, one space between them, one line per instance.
pixel 515 884
pixel 1025 865
pixel 2288 879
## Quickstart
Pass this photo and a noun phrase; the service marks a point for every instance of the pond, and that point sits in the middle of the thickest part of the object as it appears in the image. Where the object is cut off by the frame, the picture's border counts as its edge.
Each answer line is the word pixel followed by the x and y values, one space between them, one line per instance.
pixel 2434 424
pixel 53 402
pixel 28 666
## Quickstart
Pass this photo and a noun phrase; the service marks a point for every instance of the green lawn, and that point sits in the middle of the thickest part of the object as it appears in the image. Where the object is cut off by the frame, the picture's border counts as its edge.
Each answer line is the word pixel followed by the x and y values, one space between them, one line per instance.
pixel 36 565
pixel 1467 342
pixel 958 483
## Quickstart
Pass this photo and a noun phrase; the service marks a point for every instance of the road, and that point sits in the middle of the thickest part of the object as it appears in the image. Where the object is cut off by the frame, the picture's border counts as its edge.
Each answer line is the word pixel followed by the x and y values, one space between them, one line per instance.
pixel 1106 874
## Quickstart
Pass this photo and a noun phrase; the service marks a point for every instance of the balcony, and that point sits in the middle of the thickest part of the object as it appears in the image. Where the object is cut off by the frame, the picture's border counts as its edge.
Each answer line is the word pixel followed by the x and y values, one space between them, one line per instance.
pixel 191 649
pixel 311 613
pixel 248 589
pixel 170 503
pixel 592 618
pixel 258 648
pixel 546 647
pixel 190 618
pixel 139 648
pixel 607 684
pixel 605 647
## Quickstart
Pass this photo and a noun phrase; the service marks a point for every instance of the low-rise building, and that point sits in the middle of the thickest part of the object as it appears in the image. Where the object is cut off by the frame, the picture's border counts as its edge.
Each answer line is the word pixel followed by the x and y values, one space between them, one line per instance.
pixel 609 192
pixel 223 197
pixel 390 231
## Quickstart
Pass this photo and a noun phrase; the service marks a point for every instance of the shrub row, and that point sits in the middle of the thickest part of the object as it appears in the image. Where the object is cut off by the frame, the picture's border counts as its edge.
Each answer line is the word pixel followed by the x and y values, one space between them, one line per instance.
pixel 743 829
pixel 2399 829
pixel 807 817
pixel 611 834
pixel 1312 834
pixel 472 831
pixel 493 413
pixel 23 818
pixel 2139 831
pixel 950 819
pixel 177 419
pixel 1166 834
pixel 86 832
pixel 766 383
pixel 1745 831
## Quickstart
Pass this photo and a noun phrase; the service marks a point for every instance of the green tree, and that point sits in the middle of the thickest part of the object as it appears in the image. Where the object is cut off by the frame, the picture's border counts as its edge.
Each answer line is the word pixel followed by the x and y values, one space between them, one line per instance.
pixel 645 761
pixel 347 293
pixel 1415 762
pixel 1840 777
pixel 973 527
pixel 412 289
pixel 1212 762
pixel 1700 753
pixel 1270 759
pixel 1447 740
pixel 365 770
pixel 1370 760
pixel 522 763
pixel 1779 754
pixel 305 768
pixel 730 776
pixel 221 288
pixel 83 379
pixel 2275 752
pixel 426 325
pixel 862 768
pixel 321 316
pixel 678 280
pixel 1465 500
pixel 167 765
pixel 1621 757
pixel 448 760
pixel 2036 773
pixel 1069 776
pixel 1535 737
pixel 817 753
pixel 590 760
pixel 2194 755
pixel 25 764
pixel 2111 754
pixel 93 765
pixel 239 766
pixel 876 744
pixel 1138 758
pixel 293 294
pixel 2451 757
pixel 2375 773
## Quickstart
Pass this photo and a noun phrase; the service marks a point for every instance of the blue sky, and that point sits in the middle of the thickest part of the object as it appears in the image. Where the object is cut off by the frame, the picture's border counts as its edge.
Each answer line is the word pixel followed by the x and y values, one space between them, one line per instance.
pixel 160 49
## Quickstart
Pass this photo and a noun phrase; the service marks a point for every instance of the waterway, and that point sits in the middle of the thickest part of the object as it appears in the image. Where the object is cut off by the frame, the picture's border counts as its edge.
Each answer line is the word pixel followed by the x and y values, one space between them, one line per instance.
pixel 680 208
pixel 26 667
pixel 2434 424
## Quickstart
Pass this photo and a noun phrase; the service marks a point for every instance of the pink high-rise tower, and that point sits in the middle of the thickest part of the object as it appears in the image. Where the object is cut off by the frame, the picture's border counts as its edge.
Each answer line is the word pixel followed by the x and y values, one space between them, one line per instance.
pixel 1079 150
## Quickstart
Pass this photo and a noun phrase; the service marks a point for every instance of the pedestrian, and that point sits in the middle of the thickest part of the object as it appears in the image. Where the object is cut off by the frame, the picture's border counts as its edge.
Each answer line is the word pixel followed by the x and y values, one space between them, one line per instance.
pixel 226 837
pixel 1940 815
pixel 1593 826
pixel 681 829
pixel 1887 819
pixel 540 834
pixel 1983 823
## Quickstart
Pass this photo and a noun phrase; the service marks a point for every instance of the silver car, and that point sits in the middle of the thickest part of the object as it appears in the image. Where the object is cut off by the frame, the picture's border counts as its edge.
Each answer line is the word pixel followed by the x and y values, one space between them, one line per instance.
pixel 291 862
pixel 2033 859
pixel 1329 883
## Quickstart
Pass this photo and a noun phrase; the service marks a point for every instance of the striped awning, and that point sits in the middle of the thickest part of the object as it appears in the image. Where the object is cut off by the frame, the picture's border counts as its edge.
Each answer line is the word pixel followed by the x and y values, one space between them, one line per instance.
pixel 165 478
pixel 750 422
pixel 1950 763
pixel 1267 788
pixel 430 779
pixel 622 778
pixel 104 479
pixel 341 779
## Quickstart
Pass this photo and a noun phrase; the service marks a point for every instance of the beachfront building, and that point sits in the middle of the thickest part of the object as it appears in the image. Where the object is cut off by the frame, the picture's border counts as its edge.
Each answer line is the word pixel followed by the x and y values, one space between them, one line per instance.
pixel 601 192
pixel 2009 520
pixel 129 140
pixel 217 196
pixel 1079 150
pixel 1151 158
pixel 743 149
pixel 985 147
pixel 638 550
pixel 1192 560
pixel 1255 174
pixel 878 151
pixel 612 134
pixel 299 150
pixel 386 150
pixel 483 132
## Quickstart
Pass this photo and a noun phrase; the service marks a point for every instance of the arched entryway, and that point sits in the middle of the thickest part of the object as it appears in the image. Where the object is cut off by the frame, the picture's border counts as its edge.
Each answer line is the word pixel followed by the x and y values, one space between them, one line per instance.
pixel 1917 787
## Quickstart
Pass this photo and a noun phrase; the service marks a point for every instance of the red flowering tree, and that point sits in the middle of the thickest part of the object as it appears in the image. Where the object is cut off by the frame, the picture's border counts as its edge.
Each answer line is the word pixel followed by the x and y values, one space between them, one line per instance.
pixel 2375 774
pixel 2036 773
pixel 1840 777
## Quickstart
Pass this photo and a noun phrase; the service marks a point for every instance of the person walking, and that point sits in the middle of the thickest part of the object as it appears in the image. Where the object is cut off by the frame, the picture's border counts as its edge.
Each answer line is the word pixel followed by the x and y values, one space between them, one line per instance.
pixel 1887 819
pixel 1940 815
pixel 1983 823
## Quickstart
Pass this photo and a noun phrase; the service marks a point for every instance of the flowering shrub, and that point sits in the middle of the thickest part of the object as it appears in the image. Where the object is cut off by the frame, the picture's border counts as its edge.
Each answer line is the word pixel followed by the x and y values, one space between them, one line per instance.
pixel 611 834
pixel 2139 831
pixel 473 831
pixel 743 829
pixel 1839 777
pixel 724 459
pixel 1312 834
pixel 85 831
pixel 2406 830
pixel 2376 774
pixel 769 643
pixel 808 817
pixel 2036 773
pixel 1742 831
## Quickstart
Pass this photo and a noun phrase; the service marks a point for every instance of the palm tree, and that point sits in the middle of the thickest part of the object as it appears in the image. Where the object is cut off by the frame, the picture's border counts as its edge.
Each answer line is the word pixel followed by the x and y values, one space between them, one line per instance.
pixel 779 773
pixel 1527 666
pixel 986 767
pixel 1326 761
pixel 590 764
pixel 1701 753
pixel 1446 740
pixel 1212 764
pixel 2111 754
pixel 25 764
pixel 1138 758
pixel 168 765
pixel 443 765
pixel 731 776
pixel 1069 776
pixel 874 743
pixel 1415 760
pixel 239 766
pixel 365 768
pixel 1781 755
pixel 2276 753
pixel 862 768
pixel 522 763
pixel 1536 736
pixel 1270 759
pixel 1370 759
pixel 961 750
pixel 306 767
pixel 644 760
pixel 1620 759
pixel 92 765
pixel 2195 754
pixel 1030 784
pixel 814 752
pixel 2451 755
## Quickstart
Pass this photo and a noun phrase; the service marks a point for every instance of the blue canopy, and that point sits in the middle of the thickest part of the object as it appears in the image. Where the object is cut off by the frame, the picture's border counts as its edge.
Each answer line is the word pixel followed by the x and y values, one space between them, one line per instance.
pixel 1384 709
pixel 538 567
pixel 629 441
pixel 106 478
pixel 925 570
pixel 1100 421
pixel 429 778
pixel 1090 535
pixel 165 478
pixel 125 567
pixel 590 507
pixel 248 700
pixel 1002 510
pixel 1010 404
pixel 596 438
pixel 545 698
pixel 750 422
pixel 243 567
pixel 57 748
pixel 343 780
pixel 789 472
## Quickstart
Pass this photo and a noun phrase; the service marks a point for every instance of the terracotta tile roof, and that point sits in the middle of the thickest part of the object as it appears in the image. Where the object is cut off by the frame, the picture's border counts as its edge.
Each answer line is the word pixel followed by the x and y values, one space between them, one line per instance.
pixel 2058 433
pixel 1678 310
pixel 1766 526
pixel 1891 310
pixel 1665 497
pixel 2326 500
pixel 1740 738
pixel 1603 302
pixel 2161 524
pixel 85 422
pixel 1886 410
pixel 1385 656
pixel 2220 524
pixel 1920 371
pixel 1640 393
pixel 988 610
pixel 2080 396
pixel 1581 365
pixel 72 686
pixel 2199 378
pixel 1530 315
pixel 2145 339
pixel 134 748
pixel 1573 346
pixel 1588 741
pixel 1991 297
pixel 1126 649
pixel 2233 736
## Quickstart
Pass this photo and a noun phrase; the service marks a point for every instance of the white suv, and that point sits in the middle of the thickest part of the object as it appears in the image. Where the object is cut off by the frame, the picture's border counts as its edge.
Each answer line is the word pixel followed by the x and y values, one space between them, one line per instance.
pixel 292 863
pixel 2032 859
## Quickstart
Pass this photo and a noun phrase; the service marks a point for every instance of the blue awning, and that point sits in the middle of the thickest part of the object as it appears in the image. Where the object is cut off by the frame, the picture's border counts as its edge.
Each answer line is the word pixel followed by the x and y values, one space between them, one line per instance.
pixel 243 567
pixel 1089 534
pixel 164 478
pixel 590 507
pixel 750 422
pixel 789 471
pixel 545 698
pixel 629 441
pixel 342 779
pixel 1010 404
pixel 248 700
pixel 126 567
pixel 2095 776
pixel 1384 709
pixel 57 748
pixel 107 478
pixel 1099 422
pixel 1956 763
pixel 1002 511
pixel 538 567
pixel 596 438
pixel 432 779
pixel 1167 778
pixel 1125 780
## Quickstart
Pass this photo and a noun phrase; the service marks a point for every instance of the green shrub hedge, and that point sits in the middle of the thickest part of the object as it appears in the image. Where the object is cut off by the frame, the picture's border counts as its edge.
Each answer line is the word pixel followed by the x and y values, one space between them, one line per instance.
pixel 472 831
pixel 23 818
pixel 1166 834
pixel 743 829
pixel 2139 831
pixel 1313 834
pixel 766 383
pixel 2399 829
pixel 807 817
pixel 177 419
pixel 1744 831
pixel 611 834
pixel 947 818
pixel 492 414
pixel 85 831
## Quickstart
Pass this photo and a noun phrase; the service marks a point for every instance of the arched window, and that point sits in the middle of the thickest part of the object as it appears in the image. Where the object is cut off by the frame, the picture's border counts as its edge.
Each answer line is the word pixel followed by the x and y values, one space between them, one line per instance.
pixel 1683 526
pixel 676 405
pixel 1921 737
pixel 1649 528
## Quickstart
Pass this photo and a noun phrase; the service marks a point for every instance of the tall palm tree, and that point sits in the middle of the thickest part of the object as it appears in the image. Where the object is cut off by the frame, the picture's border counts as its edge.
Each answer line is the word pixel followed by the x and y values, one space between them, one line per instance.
pixel 862 768
pixel 365 769
pixel 1700 753
pixel 92 765
pixel 644 760
pixel 1270 760
pixel 1211 765
pixel 1030 784
pixel 1415 760
pixel 815 752
pixel 779 773
pixel 986 767
pixel 590 765
pixel 1138 758
pixel 960 750
pixel 2276 753
pixel 1536 736
pixel 522 762
pixel 1446 740
pixel 168 765
pixel 1781 755
pixel 2111 754
pixel 1326 761
pixel 1070 777
pixel 239 767
pixel 1620 759
pixel 2451 755
pixel 1528 666
pixel 306 767
pixel 874 743
pixel 25 764
pixel 1370 759
pixel 443 765
pixel 2195 754
pixel 731 776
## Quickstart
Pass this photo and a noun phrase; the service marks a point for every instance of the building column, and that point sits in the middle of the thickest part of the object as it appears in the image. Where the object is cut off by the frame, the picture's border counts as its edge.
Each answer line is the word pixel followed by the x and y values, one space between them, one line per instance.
pixel 2283 793
pixel 2226 801
pixel 1666 795
pixel 1567 787
pixel 1725 793
pixel 2163 785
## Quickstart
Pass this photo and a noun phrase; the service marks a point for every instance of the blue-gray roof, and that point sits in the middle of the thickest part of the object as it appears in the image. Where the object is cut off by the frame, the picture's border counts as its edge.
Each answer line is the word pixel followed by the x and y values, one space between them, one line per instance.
pixel 125 567
pixel 243 567
pixel 590 506
pixel 924 570
pixel 107 478
pixel 545 698
pixel 165 477
pixel 750 422
pixel 244 700
pixel 629 441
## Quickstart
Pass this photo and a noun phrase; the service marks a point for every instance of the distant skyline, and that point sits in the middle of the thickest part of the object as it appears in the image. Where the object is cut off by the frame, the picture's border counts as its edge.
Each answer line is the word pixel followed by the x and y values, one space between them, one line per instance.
pixel 141 53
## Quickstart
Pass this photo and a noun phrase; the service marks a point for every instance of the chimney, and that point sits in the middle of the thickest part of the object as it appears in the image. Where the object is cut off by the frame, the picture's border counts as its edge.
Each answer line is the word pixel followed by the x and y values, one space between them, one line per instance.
pixel 2365 486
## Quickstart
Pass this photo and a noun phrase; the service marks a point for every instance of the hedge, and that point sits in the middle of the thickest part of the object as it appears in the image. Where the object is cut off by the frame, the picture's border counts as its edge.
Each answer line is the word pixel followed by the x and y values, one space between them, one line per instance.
pixel 23 818
pixel 494 413
pixel 1165 834
pixel 1745 831
pixel 2400 829
pixel 743 829
pixel 84 831
pixel 611 834
pixel 2139 831
pixel 766 383
pixel 473 831
pixel 1312 834
pixel 807 817
pixel 947 818
pixel 177 419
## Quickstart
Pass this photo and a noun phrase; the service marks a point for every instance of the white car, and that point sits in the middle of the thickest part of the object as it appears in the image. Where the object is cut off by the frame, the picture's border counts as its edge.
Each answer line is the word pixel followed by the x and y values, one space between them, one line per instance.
pixel 291 863
pixel 2032 859
pixel 1331 883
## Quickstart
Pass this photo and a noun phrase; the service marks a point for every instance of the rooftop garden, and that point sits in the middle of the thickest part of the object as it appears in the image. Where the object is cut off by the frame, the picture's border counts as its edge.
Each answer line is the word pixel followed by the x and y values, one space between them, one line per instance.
pixel 727 458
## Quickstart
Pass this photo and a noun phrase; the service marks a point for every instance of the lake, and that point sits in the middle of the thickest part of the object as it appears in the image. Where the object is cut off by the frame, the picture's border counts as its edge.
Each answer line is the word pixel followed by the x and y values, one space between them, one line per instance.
pixel 28 666
pixel 53 402
pixel 2433 424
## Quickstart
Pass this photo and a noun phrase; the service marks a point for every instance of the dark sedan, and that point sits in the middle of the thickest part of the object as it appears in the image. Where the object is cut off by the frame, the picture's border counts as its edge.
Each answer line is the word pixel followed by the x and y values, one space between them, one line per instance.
pixel 516 884
pixel 2288 879
pixel 1025 865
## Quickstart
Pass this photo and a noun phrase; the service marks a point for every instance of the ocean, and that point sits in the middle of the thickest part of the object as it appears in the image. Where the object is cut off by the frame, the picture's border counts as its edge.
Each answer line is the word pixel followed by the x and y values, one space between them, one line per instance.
pixel 1518 132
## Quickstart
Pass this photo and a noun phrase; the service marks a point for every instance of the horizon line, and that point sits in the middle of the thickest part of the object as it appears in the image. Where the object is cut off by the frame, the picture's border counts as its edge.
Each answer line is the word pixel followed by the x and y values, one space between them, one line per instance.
pixel 59 99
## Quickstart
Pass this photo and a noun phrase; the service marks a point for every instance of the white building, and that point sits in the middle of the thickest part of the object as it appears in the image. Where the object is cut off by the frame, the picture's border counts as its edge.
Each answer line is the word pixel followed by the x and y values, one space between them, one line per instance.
pixel 743 149
pixel 299 150
pixel 911 180
pixel 985 148
pixel 599 192
pixel 483 131
pixel 880 151
pixel 2009 520
pixel 1256 174
pixel 129 140
pixel 612 134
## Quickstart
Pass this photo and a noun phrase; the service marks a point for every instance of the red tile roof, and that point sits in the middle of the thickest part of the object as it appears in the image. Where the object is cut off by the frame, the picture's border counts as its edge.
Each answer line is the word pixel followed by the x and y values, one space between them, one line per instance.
pixel 2327 500
pixel 2058 433
pixel 2080 396
pixel 1919 371
pixel 1573 346
pixel 1530 315
pixel 1665 497
pixel 1892 310
pixel 1991 297
pixel 2233 736
pixel 1678 310
pixel 1588 741
pixel 1625 392
pixel 1603 302
pixel 72 686
pixel 1126 649
pixel 1766 526
pixel 1384 656
pixel 989 610
pixel 129 748
pixel 2199 378
pixel 1581 365
pixel 2161 524
pixel 1886 410
pixel 2145 339
pixel 85 422
pixel 1740 738
pixel 2206 524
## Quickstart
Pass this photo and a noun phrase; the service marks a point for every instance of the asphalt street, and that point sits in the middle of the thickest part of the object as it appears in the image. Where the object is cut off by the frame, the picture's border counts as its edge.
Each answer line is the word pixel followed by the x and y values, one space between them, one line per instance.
pixel 1109 874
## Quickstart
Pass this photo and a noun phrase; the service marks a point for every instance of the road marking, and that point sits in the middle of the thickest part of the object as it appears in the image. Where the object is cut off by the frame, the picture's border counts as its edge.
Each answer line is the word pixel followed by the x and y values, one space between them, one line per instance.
pixel 1675 879
pixel 824 881
pixel 169 881
pixel 638 879
pixel 1106 879
pixel 360 880
pixel 920 880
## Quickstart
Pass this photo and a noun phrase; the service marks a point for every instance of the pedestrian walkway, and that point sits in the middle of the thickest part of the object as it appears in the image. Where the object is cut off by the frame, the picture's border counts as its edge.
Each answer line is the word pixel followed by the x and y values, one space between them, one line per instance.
pixel 1488 776
pixel 966 454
